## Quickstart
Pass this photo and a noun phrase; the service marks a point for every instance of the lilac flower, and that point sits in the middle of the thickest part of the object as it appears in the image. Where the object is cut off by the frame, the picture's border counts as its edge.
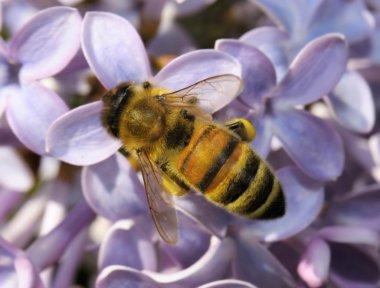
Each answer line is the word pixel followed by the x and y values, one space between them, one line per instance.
pixel 22 268
pixel 321 257
pixel 232 257
pixel 15 179
pixel 312 143
pixel 306 21
pixel 42 48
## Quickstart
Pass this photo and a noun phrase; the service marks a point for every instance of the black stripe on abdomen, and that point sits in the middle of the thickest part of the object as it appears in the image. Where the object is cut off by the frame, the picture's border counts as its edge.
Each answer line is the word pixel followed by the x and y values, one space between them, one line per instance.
pixel 218 163
pixel 240 183
pixel 260 190
pixel 276 207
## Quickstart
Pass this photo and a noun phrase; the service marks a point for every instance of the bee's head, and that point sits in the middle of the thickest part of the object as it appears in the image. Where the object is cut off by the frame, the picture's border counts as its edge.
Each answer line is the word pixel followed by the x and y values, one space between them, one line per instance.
pixel 132 111
pixel 115 101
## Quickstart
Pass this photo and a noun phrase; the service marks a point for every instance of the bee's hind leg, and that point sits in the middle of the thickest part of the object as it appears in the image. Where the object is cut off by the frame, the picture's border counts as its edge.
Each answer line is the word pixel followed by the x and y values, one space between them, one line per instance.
pixel 242 128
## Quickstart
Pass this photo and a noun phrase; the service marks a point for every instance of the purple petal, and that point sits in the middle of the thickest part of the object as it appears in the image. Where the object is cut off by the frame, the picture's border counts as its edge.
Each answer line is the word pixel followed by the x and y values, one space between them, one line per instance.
pixel 79 138
pixel 211 266
pixel 114 276
pixel 141 253
pixel 315 262
pixel 352 103
pixel 48 249
pixel 312 143
pixel 257 71
pixel 350 18
pixel 252 262
pixel 196 66
pixel 114 49
pixel 46 44
pixel 362 210
pixel 14 173
pixel 374 54
pixel 112 189
pixel 272 42
pixel 202 211
pixel 304 200
pixel 190 235
pixel 262 142
pixel 236 109
pixel 352 235
pixel 9 201
pixel 353 267
pixel 16 269
pixel 314 72
pixel 31 111
pixel 229 283
pixel 172 40
pixel 291 15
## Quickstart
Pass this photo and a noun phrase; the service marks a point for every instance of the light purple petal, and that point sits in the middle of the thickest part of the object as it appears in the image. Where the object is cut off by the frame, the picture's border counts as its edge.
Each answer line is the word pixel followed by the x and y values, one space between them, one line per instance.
pixel 171 40
pixel 257 71
pixel 311 142
pixel 31 111
pixel 112 189
pixel 14 173
pixel 315 262
pixel 202 211
pixel 114 49
pixel 16 269
pixel 236 109
pixel 291 15
pixel 46 43
pixel 314 72
pixel 129 243
pixel 351 235
pixel 304 200
pixel 199 65
pixel 350 18
pixel 374 54
pixel 190 235
pixel 79 138
pixel 272 42
pixel 352 103
pixel 252 262
pixel 9 201
pixel 228 283
pixel 263 139
pixel 211 266
pixel 117 276
pixel 362 210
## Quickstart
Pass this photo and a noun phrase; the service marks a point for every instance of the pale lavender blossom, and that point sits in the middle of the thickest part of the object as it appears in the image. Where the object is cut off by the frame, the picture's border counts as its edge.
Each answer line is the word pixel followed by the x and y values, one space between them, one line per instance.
pixel 40 49
pixel 324 258
pixel 313 145
pixel 15 179
pixel 303 22
pixel 22 268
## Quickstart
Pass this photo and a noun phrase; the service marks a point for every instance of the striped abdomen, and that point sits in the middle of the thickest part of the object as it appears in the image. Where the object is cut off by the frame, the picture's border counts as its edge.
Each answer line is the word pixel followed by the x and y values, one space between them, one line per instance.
pixel 228 172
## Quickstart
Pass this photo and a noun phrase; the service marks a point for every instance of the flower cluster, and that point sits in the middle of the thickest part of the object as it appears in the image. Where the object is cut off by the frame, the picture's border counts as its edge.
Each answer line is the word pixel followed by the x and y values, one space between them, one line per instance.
pixel 73 209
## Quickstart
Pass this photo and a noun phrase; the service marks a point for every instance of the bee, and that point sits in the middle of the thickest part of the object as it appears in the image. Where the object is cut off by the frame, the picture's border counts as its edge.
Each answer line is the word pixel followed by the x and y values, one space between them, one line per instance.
pixel 179 148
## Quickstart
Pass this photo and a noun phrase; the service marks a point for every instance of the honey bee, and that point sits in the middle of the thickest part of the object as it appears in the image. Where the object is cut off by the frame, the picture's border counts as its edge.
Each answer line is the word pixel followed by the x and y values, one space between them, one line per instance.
pixel 180 148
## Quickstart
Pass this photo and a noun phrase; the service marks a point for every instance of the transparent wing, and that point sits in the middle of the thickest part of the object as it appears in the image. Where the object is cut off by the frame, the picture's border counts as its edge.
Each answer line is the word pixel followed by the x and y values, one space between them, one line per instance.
pixel 160 202
pixel 210 94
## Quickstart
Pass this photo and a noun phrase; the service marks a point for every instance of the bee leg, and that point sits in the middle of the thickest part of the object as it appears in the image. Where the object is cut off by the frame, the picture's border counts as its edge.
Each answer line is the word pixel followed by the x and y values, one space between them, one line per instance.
pixel 132 160
pixel 243 128
pixel 172 183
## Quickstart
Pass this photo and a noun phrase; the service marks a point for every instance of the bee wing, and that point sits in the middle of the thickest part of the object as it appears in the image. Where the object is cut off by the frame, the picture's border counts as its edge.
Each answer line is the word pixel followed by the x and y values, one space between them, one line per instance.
pixel 161 204
pixel 210 94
